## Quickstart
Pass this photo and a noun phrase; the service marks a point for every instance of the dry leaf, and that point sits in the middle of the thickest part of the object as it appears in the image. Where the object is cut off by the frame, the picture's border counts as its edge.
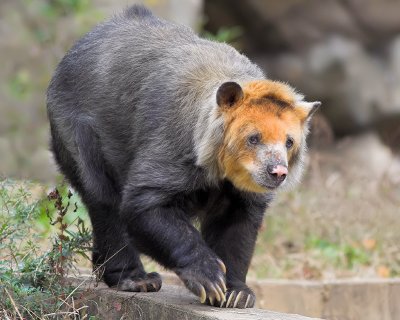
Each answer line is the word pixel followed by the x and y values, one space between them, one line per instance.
pixel 369 244
pixel 383 272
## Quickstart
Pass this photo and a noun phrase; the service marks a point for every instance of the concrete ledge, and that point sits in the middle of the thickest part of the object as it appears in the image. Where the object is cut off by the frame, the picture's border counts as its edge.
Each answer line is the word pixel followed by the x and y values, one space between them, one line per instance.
pixel 170 303
pixel 349 299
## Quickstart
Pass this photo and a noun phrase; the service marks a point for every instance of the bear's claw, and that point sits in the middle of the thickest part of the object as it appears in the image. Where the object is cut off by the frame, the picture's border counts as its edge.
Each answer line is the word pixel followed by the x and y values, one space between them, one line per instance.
pixel 235 299
pixel 150 282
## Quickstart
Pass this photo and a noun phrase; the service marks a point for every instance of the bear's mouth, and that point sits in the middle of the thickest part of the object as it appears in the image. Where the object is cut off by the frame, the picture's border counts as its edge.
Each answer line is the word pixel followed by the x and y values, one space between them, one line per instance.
pixel 271 186
pixel 266 183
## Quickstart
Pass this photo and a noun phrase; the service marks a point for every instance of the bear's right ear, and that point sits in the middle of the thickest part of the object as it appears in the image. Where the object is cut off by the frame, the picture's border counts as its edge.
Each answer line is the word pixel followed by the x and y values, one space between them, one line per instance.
pixel 228 94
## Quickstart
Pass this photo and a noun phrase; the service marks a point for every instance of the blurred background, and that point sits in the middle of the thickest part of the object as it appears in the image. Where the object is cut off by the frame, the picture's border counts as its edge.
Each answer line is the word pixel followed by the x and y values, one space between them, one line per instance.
pixel 344 219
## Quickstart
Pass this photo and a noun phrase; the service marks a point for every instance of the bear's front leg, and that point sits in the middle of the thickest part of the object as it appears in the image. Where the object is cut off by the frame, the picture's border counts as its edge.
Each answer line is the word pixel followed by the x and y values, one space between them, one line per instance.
pixel 231 231
pixel 161 230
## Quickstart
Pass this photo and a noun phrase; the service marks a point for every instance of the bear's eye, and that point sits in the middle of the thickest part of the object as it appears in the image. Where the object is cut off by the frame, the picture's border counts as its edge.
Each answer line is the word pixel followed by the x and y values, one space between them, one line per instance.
pixel 289 142
pixel 254 139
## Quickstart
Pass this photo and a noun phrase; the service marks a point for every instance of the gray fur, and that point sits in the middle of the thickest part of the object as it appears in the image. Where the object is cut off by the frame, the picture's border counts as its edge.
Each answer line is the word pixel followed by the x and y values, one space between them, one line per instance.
pixel 154 78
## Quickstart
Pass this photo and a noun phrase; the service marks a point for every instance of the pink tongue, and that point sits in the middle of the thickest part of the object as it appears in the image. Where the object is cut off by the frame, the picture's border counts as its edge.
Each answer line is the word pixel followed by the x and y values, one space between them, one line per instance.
pixel 280 170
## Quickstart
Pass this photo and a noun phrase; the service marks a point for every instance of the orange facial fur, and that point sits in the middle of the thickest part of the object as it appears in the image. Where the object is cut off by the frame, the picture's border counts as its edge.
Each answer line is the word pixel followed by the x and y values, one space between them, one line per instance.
pixel 268 108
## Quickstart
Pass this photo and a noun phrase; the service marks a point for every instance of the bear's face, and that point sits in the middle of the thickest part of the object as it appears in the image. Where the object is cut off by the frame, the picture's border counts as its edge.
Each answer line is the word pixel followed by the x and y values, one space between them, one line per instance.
pixel 265 125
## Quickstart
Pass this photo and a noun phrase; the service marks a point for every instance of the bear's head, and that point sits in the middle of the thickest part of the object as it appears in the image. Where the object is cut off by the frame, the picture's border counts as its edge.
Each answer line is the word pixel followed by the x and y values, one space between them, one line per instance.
pixel 265 128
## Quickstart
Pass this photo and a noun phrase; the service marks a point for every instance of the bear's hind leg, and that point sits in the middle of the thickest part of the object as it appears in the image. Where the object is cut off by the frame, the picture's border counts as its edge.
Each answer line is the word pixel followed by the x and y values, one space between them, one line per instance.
pixel 114 257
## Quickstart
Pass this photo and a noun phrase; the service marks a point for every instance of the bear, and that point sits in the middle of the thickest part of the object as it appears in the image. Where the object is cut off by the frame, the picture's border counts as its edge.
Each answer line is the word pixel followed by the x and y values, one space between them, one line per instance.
pixel 157 128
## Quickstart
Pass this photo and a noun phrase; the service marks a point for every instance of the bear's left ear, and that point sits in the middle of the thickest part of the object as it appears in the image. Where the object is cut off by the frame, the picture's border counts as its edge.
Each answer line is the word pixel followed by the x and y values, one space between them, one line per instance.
pixel 308 108
pixel 228 94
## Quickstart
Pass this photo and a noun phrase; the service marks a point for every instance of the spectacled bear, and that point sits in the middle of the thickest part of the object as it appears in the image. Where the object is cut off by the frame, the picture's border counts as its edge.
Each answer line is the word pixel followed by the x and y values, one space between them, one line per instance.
pixel 155 127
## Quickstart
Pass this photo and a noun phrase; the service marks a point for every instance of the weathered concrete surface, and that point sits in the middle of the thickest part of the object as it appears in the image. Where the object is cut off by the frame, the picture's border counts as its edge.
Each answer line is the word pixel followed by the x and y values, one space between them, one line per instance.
pixel 348 299
pixel 171 303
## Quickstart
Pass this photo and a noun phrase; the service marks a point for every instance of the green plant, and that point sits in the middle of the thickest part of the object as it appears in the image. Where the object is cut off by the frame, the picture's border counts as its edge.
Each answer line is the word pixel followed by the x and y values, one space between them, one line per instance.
pixel 64 7
pixel 340 254
pixel 43 17
pixel 224 34
pixel 32 276
pixel 20 85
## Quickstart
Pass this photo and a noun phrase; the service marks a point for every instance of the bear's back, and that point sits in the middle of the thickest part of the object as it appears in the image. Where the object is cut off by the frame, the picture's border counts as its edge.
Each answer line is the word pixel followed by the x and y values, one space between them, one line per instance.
pixel 137 51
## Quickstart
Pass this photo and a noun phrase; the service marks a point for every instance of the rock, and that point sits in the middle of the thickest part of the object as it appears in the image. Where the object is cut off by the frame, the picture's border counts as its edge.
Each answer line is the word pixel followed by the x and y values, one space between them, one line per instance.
pixel 352 82
pixel 389 131
pixel 378 18
pixel 300 23
pixel 321 135
pixel 344 53
pixel 368 158
pixel 357 90
pixel 394 75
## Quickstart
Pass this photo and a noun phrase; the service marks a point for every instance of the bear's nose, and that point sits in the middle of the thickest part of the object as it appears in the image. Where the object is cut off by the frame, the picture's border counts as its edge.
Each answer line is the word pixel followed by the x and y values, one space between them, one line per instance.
pixel 277 172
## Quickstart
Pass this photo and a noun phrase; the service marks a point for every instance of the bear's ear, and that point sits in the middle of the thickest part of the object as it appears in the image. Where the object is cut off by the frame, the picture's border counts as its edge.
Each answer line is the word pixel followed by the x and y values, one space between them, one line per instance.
pixel 308 108
pixel 228 94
